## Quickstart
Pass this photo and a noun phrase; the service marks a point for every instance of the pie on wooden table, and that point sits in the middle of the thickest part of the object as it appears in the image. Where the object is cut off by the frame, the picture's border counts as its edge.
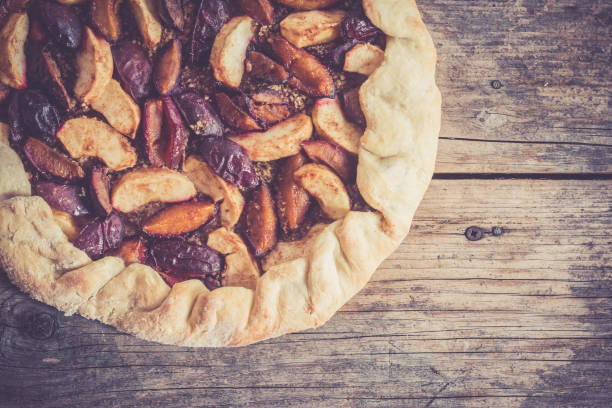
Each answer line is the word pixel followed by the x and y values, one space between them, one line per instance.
pixel 215 172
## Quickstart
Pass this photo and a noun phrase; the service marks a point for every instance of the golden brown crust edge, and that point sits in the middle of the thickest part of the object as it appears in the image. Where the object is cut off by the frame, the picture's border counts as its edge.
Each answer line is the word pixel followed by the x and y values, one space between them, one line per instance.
pixel 302 287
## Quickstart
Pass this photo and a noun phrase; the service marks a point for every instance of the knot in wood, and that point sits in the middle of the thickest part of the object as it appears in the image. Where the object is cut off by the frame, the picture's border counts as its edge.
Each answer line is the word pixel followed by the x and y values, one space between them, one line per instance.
pixel 474 233
pixel 496 84
pixel 41 326
pixel 497 231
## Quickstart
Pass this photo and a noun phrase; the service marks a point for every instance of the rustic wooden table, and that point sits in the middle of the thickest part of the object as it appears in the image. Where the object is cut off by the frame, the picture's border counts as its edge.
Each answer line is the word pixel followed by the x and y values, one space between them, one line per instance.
pixel 520 317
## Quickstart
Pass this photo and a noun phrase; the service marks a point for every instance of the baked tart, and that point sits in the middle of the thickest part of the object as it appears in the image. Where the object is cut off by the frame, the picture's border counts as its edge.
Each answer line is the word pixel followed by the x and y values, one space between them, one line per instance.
pixel 215 172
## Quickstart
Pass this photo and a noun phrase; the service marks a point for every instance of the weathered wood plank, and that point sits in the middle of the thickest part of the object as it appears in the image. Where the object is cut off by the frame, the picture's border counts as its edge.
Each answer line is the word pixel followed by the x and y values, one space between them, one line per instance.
pixel 523 318
pixel 553 111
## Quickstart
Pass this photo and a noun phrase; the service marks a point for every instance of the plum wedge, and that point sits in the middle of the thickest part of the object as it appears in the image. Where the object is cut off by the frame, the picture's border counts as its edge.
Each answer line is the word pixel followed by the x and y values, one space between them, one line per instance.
pixel 208 182
pixel 179 218
pixel 199 114
pixel 64 197
pixel 61 22
pixel 326 187
pixel 175 134
pixel 338 159
pixel 148 23
pixel 104 17
pixel 281 140
pixel 261 10
pixel 241 269
pixel 230 161
pixel 134 68
pixel 308 28
pixel 139 187
pixel 363 59
pixel 89 137
pixel 268 107
pixel 261 220
pixel 12 48
pixel 99 190
pixel 229 50
pixel 168 68
pixel 118 108
pixel 172 13
pixel 262 67
pixel 311 76
pixel 352 107
pixel 50 162
pixel 234 115
pixel 292 201
pixel 94 67
pixel 153 122
pixel 332 125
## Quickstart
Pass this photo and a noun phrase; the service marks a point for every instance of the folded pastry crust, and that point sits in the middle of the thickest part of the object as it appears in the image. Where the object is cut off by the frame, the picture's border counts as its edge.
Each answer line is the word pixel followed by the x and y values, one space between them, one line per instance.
pixel 304 282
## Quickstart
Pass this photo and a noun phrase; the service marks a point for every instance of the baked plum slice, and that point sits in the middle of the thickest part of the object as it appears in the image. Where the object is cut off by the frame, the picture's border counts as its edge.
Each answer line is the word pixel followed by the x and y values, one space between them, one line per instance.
pixel 184 260
pixel 230 161
pixel 176 134
pixel 100 236
pixel 165 133
pixel 13 36
pixel 261 221
pixel 292 201
pixel 17 132
pixel 64 197
pixel 50 162
pixel 99 190
pixel 39 117
pixel 356 26
pixel 114 231
pixel 172 13
pixel 91 240
pixel 145 185
pixel 61 22
pixel 269 107
pixel 260 66
pixel 324 185
pixel 310 75
pixel 199 114
pixel 261 11
pixel 134 68
pixel 179 218
pixel 105 19
pixel 212 15
pixel 152 130
pixel 352 107
pixel 168 68
pixel 332 155
pixel 234 115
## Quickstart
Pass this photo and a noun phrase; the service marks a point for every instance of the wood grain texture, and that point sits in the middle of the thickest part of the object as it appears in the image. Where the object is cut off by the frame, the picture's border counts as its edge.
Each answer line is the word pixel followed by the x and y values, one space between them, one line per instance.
pixel 519 319
pixel 553 112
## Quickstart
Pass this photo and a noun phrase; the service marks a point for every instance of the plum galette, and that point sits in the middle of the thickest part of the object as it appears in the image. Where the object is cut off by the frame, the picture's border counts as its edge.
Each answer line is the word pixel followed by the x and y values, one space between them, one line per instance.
pixel 211 172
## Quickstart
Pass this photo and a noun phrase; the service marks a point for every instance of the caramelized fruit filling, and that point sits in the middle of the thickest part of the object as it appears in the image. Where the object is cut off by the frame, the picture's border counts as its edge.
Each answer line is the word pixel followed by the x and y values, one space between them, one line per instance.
pixel 149 129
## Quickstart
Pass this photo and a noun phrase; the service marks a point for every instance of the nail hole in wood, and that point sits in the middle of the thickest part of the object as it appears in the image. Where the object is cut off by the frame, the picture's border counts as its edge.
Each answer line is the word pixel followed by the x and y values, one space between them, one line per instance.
pixel 474 233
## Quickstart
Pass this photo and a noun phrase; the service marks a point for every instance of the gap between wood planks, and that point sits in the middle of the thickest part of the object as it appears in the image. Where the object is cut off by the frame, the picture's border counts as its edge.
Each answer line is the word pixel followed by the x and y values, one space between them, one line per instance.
pixel 522 176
